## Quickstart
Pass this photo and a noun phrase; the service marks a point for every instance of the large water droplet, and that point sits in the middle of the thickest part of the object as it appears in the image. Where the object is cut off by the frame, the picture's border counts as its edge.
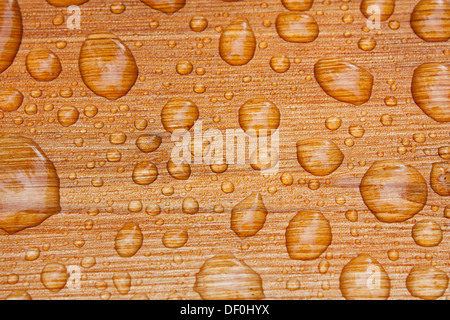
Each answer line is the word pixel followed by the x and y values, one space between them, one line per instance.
pixel 148 142
pixel 440 178
pixel 18 294
pixel 259 117
pixel 129 240
pixel 224 277
pixel 167 6
pixel 386 7
pixel 248 216
pixel 122 282
pixel 427 282
pixel 430 20
pixel 10 32
pixel 179 115
pixel 10 99
pixel 175 238
pixel 54 276
pixel 364 278
pixel 145 173
pixel 431 90
pixel 308 235
pixel 29 184
pixel 68 115
pixel 297 27
pixel 319 157
pixel 43 65
pixel 427 233
pixel 297 5
pixel 179 171
pixel 344 81
pixel 393 192
pixel 107 66
pixel 237 43
pixel 66 3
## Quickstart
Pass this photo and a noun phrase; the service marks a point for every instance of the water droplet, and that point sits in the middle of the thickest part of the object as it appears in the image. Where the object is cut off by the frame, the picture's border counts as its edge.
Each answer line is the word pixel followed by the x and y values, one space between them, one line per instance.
pixel 259 117
pixel 248 216
pixel 179 114
pixel 90 111
pixel 107 66
pixel 10 32
pixel 18 294
pixel 145 173
pixel 352 215
pixel 129 240
pixel 117 138
pixel 393 255
pixel 153 209
pixel 175 238
pixel 224 277
pixel 181 171
pixel 29 184
pixel 386 7
pixel 10 99
pixel 386 120
pixel 262 159
pixel 113 155
pixel 393 192
pixel 54 276
pixel 297 27
pixel 168 190
pixel 364 278
pixel 426 282
pixel 227 187
pixel 280 63
pixel 293 284
pixel 356 131
pixel 66 3
pixel 140 296
pixel 68 115
pixel 148 142
pixel 237 43
pixel 43 65
pixel 427 233
pixel 344 81
pixel 431 90
pixel 319 157
pixel 444 152
pixel 198 23
pixel 32 254
pixel 184 67
pixel 167 6
pixel 122 282
pixel 440 178
pixel 287 179
pixel 430 20
pixel 88 262
pixel 308 235
pixel 367 43
pixel 219 167
pixel 118 8
pixel 333 123
pixel 190 205
pixel 297 5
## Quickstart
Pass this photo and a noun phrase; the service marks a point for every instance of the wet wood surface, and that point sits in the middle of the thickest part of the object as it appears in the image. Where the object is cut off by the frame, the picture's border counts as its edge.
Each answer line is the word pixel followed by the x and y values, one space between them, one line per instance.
pixel 133 225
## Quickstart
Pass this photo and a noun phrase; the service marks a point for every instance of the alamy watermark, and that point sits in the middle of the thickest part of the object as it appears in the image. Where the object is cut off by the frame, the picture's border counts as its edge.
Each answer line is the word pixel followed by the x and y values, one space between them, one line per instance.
pixel 256 147
pixel 373 22
pixel 74 20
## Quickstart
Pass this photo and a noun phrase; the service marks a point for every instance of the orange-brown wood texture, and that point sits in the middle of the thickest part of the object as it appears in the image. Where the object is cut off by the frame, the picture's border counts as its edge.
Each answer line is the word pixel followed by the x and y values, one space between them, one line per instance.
pixel 357 205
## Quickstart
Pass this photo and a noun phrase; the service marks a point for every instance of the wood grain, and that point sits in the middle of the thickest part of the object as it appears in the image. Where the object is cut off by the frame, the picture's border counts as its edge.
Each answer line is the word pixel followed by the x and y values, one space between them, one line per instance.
pixel 95 157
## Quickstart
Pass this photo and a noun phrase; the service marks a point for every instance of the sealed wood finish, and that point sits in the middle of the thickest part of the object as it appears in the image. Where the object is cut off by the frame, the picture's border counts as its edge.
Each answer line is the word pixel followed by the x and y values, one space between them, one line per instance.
pixel 350 202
